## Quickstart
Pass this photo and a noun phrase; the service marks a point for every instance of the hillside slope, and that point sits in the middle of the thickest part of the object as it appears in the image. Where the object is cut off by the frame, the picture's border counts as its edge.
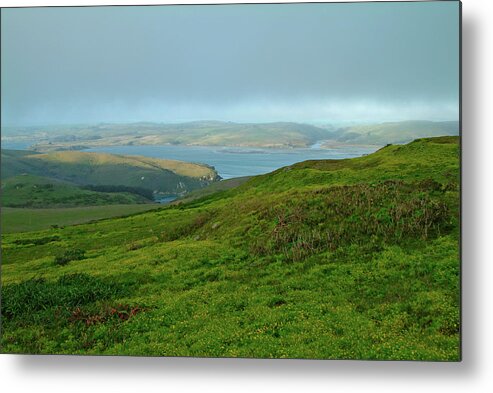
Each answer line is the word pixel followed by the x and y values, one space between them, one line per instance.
pixel 346 259
pixel 81 168
pixel 41 192
pixel 15 220
pixel 395 132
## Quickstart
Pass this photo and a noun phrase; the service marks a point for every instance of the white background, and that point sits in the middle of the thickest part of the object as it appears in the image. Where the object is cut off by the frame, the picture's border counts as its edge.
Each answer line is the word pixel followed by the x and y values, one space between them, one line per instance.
pixel 473 374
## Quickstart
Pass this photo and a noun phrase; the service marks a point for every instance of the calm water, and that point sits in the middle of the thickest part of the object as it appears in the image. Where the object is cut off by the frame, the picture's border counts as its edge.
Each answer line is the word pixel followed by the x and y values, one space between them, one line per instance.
pixel 17 145
pixel 238 161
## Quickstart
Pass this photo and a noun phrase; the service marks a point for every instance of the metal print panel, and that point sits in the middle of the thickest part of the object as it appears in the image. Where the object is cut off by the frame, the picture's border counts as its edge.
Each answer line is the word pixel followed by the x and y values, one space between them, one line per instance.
pixel 257 180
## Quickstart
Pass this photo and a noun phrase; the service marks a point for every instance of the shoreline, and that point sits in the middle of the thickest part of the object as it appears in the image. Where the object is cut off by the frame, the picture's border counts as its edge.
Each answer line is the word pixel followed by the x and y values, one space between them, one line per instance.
pixel 325 144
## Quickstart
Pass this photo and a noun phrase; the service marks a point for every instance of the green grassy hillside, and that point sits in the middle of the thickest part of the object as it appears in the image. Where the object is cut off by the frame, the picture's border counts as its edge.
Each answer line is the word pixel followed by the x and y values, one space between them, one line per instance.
pixel 25 220
pixel 222 185
pixel 41 192
pixel 16 162
pixel 166 176
pixel 347 259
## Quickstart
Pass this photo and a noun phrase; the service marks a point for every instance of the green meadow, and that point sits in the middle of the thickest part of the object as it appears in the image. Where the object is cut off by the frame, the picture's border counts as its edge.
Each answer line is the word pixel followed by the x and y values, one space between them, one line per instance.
pixel 28 191
pixel 329 259
pixel 23 220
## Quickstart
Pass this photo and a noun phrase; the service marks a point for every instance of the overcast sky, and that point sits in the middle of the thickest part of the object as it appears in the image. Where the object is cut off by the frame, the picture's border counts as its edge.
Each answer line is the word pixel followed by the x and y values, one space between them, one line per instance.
pixel 298 62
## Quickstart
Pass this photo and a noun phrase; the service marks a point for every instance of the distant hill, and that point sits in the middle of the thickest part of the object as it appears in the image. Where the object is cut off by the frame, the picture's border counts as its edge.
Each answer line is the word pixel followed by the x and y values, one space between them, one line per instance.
pixel 219 133
pixel 100 169
pixel 200 133
pixel 16 162
pixel 40 192
pixel 395 132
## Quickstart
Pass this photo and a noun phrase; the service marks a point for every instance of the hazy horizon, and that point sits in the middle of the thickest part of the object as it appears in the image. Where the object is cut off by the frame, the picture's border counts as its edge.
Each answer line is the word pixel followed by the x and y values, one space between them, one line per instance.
pixel 308 63
pixel 339 124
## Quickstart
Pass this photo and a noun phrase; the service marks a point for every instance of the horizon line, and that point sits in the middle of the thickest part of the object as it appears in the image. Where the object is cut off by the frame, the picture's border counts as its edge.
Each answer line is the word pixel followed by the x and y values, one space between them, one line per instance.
pixel 184 121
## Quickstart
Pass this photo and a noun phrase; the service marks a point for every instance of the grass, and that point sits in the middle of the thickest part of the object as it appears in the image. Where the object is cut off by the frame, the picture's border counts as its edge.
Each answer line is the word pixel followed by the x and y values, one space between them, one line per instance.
pixel 21 220
pixel 101 169
pixel 216 187
pixel 40 192
pixel 96 160
pixel 350 259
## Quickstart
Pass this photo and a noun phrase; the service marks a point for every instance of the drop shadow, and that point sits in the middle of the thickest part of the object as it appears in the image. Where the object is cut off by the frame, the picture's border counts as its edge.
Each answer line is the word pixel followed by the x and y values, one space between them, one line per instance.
pixel 427 371
pixel 470 207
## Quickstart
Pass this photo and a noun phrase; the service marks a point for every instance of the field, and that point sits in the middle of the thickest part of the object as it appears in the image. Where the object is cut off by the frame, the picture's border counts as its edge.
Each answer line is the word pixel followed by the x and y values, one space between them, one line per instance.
pixel 332 259
pixel 22 220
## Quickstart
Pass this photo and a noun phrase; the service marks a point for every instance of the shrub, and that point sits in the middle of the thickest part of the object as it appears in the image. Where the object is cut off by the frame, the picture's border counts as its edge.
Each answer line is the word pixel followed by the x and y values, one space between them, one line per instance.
pixel 32 300
pixel 119 312
pixel 69 255
pixel 385 213
pixel 187 228
pixel 37 242
pixel 144 192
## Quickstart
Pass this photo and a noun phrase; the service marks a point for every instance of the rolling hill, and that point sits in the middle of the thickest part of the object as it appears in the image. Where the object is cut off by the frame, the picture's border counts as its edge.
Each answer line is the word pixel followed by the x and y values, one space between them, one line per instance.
pixel 326 259
pixel 200 133
pixel 100 169
pixel 394 132
pixel 41 192
pixel 217 133
pixel 223 185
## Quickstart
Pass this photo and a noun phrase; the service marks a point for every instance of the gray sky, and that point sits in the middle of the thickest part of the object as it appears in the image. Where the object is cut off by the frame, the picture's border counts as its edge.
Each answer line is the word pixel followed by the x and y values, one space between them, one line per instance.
pixel 299 62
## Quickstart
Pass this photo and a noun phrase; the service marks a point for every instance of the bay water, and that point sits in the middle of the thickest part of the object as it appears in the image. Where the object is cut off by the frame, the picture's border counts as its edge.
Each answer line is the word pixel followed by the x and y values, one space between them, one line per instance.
pixel 232 162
